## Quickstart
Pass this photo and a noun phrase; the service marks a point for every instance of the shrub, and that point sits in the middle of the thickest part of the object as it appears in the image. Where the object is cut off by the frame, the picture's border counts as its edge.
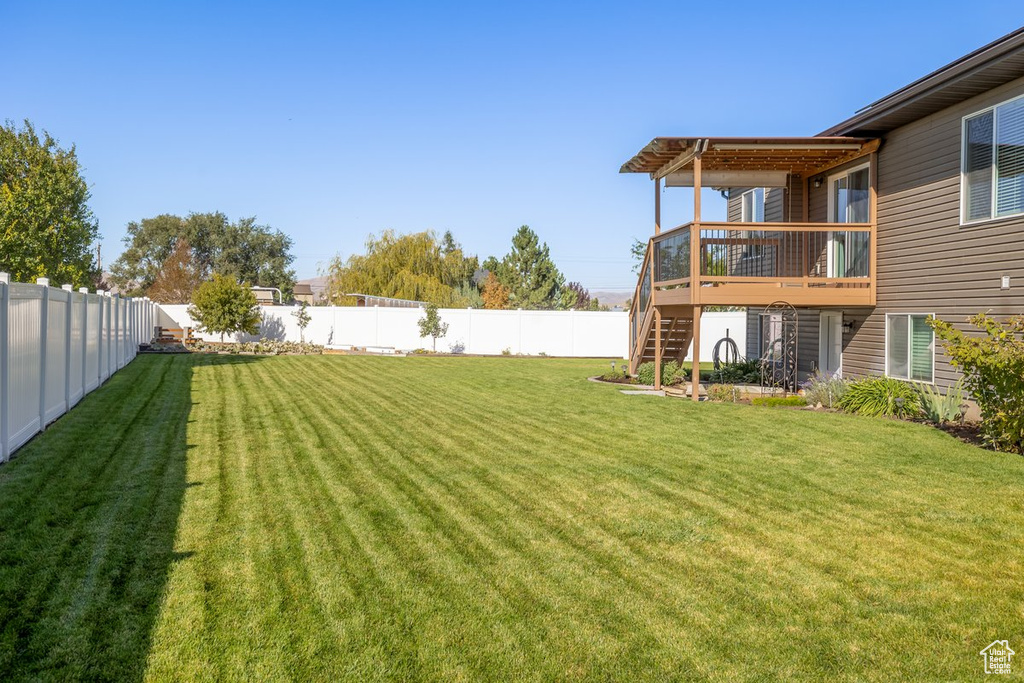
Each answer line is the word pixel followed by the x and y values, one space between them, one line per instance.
pixel 993 368
pixel 507 351
pixel 825 389
pixel 614 376
pixel 223 306
pixel 740 372
pixel 938 407
pixel 669 370
pixel 778 401
pixel 722 392
pixel 881 396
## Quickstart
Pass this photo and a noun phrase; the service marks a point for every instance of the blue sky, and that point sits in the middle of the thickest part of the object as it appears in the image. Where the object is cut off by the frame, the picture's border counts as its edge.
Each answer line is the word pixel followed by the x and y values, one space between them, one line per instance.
pixel 331 121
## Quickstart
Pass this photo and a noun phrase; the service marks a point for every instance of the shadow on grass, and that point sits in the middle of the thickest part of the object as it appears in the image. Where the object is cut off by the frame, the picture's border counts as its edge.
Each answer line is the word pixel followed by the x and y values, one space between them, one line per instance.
pixel 88 514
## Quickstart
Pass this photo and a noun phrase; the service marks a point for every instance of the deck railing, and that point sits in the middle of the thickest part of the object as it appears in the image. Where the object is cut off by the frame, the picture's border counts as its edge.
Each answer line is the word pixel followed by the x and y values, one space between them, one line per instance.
pixel 747 264
pixel 808 254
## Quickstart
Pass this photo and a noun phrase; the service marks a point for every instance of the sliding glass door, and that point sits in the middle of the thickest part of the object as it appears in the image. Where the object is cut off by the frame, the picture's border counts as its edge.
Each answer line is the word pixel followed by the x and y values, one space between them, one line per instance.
pixel 849 202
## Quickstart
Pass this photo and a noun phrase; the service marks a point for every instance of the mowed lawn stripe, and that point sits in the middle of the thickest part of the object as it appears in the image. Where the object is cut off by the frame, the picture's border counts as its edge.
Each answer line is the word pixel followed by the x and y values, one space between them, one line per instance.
pixel 87 512
pixel 360 518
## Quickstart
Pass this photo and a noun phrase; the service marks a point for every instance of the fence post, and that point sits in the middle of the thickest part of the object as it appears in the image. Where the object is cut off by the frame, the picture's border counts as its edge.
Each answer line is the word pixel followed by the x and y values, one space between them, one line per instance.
pixel 115 301
pixel 45 323
pixel 67 345
pixel 519 317
pixel 572 331
pixel 129 318
pixel 84 291
pixel 99 340
pixel 5 404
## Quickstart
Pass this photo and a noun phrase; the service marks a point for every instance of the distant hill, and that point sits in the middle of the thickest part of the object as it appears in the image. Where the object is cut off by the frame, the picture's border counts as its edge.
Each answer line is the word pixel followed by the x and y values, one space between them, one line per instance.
pixel 612 299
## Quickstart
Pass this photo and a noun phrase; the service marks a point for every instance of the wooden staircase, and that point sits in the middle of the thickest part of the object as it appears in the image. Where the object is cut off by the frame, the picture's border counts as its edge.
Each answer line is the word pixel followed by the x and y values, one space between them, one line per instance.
pixel 662 325
pixel 676 333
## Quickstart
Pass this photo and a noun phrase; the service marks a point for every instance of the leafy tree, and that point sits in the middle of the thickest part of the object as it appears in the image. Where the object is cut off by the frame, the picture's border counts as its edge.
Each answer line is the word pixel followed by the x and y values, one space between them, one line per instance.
pixel 244 250
pixel 46 227
pixel 993 367
pixel 302 318
pixel 179 277
pixel 431 325
pixel 495 294
pixel 638 250
pixel 224 306
pixel 575 295
pixel 414 266
pixel 529 273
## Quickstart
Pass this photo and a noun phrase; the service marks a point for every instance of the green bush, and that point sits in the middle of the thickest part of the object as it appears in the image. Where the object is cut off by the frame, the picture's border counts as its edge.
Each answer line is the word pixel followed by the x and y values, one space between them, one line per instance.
pixel 669 373
pixel 740 372
pixel 778 401
pixel 825 389
pixel 722 392
pixel 993 367
pixel 881 396
pixel 938 407
pixel 614 376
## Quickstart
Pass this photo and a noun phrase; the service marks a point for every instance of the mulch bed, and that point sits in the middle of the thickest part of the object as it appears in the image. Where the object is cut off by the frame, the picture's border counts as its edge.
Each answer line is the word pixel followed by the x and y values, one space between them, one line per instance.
pixel 968 432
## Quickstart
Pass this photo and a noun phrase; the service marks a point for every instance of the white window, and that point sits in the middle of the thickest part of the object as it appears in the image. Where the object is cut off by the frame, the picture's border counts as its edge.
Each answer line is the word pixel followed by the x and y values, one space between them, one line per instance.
pixel 752 206
pixel 992 163
pixel 752 211
pixel 909 347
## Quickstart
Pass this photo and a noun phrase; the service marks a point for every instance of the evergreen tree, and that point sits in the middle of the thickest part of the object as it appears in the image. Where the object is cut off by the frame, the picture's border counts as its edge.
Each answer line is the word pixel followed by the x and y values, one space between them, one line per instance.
pixel 532 279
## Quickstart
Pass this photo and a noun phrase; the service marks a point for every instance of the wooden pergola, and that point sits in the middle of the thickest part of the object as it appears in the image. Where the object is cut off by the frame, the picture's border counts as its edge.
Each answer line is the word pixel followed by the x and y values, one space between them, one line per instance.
pixel 728 162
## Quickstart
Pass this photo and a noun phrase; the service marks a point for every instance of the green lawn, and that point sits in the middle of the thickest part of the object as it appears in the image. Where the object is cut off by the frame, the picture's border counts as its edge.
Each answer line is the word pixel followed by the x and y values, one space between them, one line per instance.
pixel 443 518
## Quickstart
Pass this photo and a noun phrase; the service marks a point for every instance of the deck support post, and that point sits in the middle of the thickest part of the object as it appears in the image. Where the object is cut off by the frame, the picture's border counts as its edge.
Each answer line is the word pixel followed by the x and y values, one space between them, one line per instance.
pixel 695 247
pixel 657 349
pixel 657 206
pixel 695 362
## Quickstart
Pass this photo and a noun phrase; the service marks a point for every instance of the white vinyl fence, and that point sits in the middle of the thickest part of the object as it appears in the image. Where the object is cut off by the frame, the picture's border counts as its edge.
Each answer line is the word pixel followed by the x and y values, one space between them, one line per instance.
pixel 582 334
pixel 57 345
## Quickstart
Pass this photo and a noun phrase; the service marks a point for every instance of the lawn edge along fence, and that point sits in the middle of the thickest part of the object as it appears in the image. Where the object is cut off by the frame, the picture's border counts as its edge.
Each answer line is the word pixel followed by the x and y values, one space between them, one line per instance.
pixel 57 345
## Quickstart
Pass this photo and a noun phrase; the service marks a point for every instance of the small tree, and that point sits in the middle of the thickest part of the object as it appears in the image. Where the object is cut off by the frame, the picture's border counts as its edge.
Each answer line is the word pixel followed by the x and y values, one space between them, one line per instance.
pixel 431 325
pixel 179 277
pixel 495 294
pixel 224 306
pixel 302 317
pixel 993 367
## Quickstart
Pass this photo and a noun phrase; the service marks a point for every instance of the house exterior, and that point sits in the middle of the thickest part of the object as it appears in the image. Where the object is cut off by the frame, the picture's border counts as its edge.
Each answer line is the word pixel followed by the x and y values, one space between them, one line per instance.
pixel 303 293
pixel 912 207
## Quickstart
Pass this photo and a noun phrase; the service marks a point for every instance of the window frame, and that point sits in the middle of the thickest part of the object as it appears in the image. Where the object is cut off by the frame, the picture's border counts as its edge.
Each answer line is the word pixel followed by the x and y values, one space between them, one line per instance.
pixel 832 197
pixel 910 348
pixel 963 166
pixel 756 251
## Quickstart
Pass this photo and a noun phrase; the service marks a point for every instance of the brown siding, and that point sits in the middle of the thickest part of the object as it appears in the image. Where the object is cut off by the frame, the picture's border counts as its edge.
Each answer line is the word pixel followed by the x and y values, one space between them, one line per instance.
pixel 927 262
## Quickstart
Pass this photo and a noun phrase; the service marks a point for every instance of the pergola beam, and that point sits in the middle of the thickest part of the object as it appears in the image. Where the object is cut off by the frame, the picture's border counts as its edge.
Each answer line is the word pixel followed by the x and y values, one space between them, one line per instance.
pixel 677 163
